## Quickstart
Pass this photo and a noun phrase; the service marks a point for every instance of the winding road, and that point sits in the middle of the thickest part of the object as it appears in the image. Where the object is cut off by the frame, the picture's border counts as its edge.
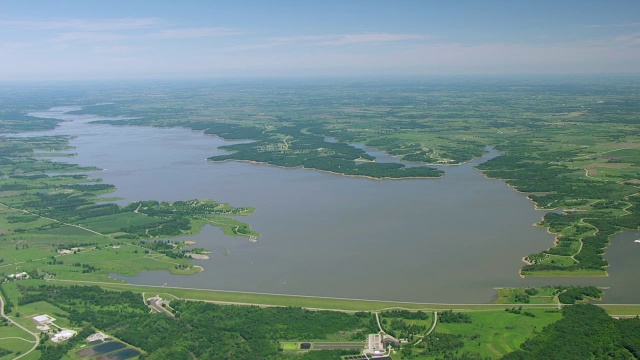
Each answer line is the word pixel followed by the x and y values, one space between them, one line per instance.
pixel 35 336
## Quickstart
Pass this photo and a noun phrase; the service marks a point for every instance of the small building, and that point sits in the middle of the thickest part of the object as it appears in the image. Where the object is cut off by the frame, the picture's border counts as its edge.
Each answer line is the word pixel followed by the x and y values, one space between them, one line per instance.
pixel 19 276
pixel 43 328
pixel 63 335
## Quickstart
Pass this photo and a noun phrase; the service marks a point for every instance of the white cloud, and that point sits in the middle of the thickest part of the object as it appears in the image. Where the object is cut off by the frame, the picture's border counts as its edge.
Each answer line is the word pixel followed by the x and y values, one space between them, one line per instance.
pixel 633 38
pixel 250 47
pixel 191 33
pixel 622 25
pixel 114 50
pixel 83 25
pixel 351 39
pixel 87 36
pixel 348 39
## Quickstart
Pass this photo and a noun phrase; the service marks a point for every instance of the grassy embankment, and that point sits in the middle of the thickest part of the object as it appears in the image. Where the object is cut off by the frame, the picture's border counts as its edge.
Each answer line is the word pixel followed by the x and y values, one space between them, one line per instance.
pixel 312 302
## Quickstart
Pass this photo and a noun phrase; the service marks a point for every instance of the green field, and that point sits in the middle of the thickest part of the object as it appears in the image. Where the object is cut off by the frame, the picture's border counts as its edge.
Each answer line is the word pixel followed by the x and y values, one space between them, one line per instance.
pixel 14 339
pixel 494 334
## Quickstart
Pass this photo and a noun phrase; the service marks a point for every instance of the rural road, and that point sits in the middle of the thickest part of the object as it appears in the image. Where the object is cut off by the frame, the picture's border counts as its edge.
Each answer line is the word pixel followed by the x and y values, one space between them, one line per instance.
pixel 35 336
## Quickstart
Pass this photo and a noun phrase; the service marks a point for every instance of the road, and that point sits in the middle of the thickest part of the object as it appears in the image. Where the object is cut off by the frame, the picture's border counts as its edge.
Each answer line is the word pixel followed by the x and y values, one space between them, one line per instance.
pixel 435 322
pixel 54 220
pixel 35 336
pixel 154 303
pixel 378 320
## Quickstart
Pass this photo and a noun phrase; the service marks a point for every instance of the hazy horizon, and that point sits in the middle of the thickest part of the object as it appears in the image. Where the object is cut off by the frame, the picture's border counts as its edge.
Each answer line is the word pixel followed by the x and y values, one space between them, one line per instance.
pixel 73 40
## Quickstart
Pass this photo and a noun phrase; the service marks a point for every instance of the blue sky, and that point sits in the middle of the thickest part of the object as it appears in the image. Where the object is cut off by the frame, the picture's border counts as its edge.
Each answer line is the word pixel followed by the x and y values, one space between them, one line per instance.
pixel 61 39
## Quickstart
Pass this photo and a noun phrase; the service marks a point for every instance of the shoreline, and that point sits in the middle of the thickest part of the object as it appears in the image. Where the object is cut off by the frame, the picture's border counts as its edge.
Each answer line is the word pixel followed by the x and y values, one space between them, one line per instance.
pixel 555 239
pixel 320 302
pixel 325 171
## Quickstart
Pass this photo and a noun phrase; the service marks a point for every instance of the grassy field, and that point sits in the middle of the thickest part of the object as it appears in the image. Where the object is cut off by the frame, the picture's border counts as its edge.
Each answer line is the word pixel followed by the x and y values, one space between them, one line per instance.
pixel 40 308
pixel 542 296
pixel 289 345
pixel 14 339
pixel 496 333
pixel 113 223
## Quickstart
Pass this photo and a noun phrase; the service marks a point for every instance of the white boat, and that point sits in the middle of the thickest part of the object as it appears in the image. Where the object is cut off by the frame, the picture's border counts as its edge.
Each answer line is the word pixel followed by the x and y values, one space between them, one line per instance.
pixel 637 241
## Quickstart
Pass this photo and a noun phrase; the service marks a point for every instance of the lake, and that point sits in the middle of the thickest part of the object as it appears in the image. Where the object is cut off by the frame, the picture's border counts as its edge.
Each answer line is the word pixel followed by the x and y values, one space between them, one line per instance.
pixel 449 240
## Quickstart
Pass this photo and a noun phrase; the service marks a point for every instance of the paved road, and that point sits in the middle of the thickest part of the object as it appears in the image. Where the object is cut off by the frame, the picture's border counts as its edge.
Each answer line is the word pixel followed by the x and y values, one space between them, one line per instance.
pixel 378 320
pixel 435 322
pixel 155 305
pixel 35 336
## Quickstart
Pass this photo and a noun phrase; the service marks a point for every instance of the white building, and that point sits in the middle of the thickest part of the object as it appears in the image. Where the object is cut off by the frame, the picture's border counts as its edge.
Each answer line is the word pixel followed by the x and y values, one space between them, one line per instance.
pixel 63 335
pixel 97 336
pixel 19 276
pixel 43 319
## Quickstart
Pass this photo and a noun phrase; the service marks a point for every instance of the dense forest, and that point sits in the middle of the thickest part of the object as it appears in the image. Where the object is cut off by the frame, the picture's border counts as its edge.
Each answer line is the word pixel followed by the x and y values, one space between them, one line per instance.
pixel 205 330
pixel 584 332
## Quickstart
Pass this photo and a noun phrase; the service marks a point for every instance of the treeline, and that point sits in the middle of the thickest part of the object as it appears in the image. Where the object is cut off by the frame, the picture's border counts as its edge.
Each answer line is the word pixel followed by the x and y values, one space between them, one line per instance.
pixel 76 299
pixel 399 328
pixel 572 294
pixel 406 314
pixel 8 305
pixel 448 316
pixel 584 332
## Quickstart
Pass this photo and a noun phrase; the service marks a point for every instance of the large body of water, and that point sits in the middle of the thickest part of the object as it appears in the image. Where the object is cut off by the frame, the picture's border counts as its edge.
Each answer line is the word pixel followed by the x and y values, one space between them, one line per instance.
pixel 451 239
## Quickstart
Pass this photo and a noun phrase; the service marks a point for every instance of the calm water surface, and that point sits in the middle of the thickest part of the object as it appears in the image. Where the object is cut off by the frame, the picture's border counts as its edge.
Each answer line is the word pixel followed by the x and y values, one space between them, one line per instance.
pixel 451 239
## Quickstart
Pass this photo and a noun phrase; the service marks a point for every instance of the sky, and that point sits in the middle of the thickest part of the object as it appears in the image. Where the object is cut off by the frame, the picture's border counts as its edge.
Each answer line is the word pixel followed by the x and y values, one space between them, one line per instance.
pixel 72 40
